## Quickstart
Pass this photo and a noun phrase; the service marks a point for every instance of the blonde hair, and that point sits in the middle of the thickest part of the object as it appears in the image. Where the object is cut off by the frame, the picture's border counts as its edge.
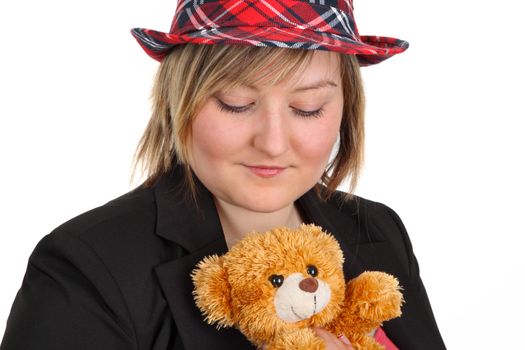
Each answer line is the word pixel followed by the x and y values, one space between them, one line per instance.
pixel 193 72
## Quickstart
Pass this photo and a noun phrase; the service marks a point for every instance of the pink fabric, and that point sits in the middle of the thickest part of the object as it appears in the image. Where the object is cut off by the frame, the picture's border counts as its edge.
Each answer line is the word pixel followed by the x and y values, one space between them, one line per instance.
pixel 382 339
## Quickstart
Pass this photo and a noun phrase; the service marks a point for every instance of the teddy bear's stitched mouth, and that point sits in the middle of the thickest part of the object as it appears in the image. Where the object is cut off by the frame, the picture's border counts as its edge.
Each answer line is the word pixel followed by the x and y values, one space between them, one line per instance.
pixel 295 313
pixel 301 317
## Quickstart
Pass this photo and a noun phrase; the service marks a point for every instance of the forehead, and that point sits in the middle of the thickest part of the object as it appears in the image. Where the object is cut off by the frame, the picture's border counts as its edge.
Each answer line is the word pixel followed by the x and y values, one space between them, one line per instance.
pixel 321 70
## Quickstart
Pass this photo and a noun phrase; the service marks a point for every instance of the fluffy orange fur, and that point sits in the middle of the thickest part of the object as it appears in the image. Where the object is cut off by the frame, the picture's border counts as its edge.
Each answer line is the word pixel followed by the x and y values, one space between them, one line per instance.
pixel 233 290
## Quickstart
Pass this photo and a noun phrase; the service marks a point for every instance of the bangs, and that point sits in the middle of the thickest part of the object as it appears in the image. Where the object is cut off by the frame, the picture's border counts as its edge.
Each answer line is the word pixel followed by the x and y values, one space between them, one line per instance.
pixel 241 65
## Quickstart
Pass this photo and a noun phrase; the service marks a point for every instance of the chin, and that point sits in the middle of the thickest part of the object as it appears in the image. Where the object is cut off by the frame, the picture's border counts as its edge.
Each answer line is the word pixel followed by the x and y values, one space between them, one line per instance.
pixel 267 202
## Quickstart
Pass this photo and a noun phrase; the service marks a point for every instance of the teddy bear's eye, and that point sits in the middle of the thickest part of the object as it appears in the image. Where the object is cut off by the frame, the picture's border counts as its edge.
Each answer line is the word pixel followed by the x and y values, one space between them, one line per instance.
pixel 312 270
pixel 276 280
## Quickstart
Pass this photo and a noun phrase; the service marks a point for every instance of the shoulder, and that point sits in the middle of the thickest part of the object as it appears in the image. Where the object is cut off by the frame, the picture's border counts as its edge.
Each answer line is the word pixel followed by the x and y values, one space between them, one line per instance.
pixel 381 219
pixel 359 204
pixel 136 207
pixel 121 231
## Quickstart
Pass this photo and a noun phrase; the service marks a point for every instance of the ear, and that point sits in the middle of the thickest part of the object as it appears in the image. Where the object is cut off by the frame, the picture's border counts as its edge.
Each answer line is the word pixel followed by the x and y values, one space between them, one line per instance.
pixel 212 291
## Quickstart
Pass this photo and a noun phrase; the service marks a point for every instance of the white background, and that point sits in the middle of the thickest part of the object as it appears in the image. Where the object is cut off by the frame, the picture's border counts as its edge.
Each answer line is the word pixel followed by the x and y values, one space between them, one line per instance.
pixel 445 139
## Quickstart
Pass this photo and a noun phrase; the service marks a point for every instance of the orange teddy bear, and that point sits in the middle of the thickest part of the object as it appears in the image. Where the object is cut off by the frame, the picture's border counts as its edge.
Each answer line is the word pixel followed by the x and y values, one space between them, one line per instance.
pixel 274 286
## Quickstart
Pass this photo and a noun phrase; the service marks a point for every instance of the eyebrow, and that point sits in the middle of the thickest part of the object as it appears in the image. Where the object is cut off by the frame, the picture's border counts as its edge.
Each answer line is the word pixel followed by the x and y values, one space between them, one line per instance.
pixel 317 85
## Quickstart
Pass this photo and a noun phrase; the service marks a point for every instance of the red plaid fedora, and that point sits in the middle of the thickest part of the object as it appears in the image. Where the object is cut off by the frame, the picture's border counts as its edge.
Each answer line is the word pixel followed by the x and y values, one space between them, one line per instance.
pixel 296 24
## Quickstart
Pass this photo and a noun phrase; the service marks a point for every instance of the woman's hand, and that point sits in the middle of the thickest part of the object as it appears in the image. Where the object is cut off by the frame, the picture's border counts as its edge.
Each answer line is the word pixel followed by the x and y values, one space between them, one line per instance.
pixel 331 341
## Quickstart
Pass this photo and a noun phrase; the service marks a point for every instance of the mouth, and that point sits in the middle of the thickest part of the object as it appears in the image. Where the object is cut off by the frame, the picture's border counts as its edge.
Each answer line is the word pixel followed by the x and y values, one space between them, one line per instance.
pixel 305 317
pixel 265 171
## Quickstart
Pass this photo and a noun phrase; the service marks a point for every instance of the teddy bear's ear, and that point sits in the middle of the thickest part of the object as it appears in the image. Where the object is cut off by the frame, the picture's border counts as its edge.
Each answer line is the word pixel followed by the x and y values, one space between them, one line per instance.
pixel 212 291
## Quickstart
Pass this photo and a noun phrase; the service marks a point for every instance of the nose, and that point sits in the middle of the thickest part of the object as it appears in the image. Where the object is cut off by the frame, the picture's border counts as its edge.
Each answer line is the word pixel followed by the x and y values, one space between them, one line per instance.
pixel 272 137
pixel 309 285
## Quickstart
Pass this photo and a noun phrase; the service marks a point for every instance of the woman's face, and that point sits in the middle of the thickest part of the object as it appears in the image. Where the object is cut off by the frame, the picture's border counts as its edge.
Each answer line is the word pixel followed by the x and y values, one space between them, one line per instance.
pixel 273 146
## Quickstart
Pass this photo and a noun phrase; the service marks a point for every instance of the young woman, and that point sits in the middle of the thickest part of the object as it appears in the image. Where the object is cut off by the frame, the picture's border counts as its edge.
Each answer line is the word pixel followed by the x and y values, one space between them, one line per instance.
pixel 240 139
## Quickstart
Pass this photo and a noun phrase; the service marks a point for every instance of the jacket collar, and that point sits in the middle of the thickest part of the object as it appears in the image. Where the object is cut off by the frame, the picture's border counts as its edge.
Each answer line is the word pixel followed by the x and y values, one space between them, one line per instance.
pixel 198 231
pixel 179 219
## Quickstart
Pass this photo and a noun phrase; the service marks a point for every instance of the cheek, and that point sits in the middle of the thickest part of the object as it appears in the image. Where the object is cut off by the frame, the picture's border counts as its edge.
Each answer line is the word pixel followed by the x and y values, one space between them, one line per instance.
pixel 315 142
pixel 215 138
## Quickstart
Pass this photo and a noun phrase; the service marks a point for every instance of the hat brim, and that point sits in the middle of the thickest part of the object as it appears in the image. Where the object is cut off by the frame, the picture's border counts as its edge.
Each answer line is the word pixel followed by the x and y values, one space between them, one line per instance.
pixel 370 50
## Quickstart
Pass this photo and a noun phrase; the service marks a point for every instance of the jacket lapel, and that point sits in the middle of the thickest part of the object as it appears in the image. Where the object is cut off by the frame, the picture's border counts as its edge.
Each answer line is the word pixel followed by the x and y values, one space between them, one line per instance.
pixel 199 232
pixel 177 286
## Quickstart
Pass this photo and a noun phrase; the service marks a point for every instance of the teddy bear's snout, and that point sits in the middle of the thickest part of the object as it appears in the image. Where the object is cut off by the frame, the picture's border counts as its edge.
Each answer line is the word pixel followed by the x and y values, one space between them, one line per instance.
pixel 309 285
pixel 300 297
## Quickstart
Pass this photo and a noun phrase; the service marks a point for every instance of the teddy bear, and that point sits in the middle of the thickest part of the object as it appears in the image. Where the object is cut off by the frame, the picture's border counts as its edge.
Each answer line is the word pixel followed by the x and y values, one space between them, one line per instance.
pixel 275 286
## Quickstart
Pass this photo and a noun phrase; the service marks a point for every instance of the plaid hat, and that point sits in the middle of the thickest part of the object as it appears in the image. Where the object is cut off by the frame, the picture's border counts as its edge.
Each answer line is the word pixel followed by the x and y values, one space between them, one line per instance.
pixel 296 24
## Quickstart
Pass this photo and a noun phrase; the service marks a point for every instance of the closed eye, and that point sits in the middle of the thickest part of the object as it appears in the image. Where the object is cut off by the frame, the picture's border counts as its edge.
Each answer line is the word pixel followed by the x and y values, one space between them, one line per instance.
pixel 236 109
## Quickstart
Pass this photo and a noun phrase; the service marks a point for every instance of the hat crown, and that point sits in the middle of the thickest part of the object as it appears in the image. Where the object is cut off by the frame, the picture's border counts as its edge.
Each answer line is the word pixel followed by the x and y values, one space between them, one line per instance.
pixel 325 16
pixel 344 5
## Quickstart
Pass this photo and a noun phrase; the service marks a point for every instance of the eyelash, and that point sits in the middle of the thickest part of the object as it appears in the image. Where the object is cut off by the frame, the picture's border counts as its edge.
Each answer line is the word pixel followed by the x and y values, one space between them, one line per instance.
pixel 231 109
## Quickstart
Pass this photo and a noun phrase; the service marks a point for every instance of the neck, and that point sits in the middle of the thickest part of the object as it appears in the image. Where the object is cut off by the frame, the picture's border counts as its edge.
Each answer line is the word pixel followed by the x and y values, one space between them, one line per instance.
pixel 236 222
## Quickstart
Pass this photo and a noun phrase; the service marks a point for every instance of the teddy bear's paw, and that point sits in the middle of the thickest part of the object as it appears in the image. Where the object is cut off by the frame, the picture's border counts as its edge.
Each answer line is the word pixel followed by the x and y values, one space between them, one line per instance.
pixel 374 296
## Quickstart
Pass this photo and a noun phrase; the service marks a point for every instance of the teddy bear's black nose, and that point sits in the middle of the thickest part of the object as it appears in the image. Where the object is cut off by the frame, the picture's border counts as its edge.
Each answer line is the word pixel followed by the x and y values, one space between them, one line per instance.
pixel 309 285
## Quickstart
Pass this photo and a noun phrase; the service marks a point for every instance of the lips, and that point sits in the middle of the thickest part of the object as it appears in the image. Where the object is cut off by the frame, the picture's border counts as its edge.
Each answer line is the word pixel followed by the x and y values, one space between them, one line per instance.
pixel 266 171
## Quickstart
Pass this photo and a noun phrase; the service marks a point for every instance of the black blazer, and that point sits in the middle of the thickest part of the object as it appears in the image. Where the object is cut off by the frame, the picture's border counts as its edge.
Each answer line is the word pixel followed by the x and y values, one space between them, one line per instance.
pixel 118 276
